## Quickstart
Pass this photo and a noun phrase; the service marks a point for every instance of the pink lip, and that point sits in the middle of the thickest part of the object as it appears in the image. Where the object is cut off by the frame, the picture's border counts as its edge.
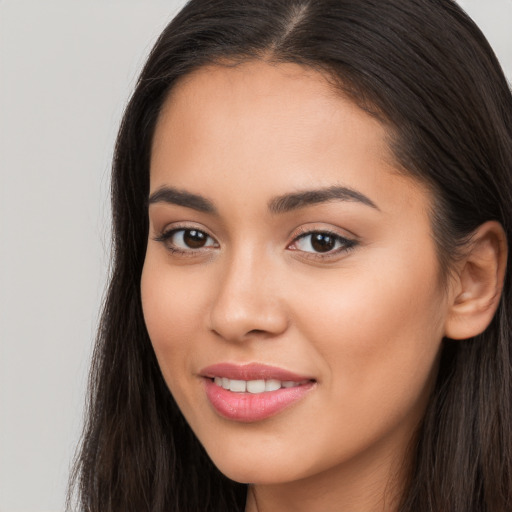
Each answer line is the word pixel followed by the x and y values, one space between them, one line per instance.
pixel 252 371
pixel 248 407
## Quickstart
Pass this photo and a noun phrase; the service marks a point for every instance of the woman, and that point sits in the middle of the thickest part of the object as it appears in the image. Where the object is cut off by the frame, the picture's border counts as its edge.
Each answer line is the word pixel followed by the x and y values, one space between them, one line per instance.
pixel 309 306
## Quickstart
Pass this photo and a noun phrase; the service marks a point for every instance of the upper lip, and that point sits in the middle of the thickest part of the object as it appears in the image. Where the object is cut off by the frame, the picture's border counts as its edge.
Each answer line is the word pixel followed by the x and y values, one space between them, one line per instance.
pixel 251 371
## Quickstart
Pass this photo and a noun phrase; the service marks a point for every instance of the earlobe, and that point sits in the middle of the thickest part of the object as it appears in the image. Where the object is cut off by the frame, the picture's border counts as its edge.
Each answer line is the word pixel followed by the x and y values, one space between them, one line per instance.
pixel 479 281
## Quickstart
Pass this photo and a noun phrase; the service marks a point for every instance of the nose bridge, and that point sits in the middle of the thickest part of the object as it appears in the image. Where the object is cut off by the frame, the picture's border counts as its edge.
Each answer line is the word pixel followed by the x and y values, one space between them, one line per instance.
pixel 246 301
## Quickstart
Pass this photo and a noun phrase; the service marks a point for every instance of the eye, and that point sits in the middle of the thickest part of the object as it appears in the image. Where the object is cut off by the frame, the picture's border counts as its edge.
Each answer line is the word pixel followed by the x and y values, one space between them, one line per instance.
pixel 321 242
pixel 186 240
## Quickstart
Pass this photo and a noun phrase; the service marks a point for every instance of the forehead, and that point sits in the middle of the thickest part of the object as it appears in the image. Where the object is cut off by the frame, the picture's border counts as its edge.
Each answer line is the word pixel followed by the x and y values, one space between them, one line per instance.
pixel 280 125
pixel 265 94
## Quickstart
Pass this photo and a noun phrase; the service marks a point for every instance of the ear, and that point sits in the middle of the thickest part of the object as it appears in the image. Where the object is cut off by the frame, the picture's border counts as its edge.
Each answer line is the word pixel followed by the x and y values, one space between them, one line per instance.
pixel 478 283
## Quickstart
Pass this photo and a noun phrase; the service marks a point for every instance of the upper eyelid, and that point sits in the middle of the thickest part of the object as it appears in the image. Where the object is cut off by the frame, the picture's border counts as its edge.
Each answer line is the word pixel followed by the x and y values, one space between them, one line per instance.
pixel 178 226
pixel 306 230
pixel 173 230
pixel 324 231
pixel 341 238
pixel 302 233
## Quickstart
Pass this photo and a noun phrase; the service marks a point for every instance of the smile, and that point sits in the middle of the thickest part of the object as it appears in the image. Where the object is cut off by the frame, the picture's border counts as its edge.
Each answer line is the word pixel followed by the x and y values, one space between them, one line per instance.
pixel 255 386
pixel 254 392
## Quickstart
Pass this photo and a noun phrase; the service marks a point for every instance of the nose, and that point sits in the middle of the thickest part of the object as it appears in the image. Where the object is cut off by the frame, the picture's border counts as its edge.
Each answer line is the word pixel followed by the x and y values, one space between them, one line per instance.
pixel 247 303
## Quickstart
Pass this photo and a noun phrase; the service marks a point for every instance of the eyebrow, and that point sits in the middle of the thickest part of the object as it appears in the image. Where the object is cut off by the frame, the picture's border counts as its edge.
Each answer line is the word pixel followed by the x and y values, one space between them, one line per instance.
pixel 280 204
pixel 173 195
pixel 298 200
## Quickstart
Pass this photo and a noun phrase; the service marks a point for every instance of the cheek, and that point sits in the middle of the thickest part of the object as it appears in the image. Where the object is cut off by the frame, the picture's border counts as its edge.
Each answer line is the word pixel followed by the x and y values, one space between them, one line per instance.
pixel 172 306
pixel 378 334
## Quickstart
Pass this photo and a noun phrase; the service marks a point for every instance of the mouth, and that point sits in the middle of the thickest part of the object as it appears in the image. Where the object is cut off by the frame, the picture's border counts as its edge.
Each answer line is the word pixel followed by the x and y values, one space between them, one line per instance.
pixel 254 392
pixel 257 386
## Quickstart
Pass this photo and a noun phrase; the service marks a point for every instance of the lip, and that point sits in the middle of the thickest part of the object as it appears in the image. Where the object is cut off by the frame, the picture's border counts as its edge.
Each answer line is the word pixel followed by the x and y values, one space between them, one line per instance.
pixel 251 371
pixel 248 407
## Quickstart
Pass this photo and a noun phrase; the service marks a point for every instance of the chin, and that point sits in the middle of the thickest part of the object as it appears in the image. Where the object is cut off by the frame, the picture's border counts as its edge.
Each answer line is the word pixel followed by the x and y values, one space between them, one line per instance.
pixel 260 468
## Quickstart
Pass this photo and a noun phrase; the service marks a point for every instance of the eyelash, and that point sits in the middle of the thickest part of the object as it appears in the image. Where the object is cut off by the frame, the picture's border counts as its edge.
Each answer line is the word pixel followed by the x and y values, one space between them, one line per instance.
pixel 345 244
pixel 166 238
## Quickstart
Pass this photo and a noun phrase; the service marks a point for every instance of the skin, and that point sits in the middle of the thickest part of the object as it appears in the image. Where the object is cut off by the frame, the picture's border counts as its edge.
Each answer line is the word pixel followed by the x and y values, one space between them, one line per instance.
pixel 366 322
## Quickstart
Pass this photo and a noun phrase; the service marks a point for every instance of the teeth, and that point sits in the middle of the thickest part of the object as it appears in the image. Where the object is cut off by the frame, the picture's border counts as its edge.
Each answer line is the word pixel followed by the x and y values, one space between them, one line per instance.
pixel 256 386
pixel 272 385
pixel 253 386
pixel 238 386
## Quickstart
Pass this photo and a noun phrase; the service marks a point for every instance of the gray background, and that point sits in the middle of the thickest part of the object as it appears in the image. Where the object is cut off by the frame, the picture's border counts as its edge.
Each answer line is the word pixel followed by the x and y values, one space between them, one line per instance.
pixel 66 70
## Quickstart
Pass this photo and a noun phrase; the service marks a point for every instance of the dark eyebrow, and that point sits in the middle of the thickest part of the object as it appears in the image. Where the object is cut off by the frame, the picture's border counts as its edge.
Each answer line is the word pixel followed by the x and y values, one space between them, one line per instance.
pixel 280 204
pixel 182 198
pixel 297 200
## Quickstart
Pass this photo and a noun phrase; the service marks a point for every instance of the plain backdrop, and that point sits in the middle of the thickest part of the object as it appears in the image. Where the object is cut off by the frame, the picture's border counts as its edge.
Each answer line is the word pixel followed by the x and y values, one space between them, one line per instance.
pixel 66 71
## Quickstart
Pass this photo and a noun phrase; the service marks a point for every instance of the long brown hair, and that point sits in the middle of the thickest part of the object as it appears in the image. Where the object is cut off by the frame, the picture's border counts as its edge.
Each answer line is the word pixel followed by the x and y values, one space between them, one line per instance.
pixel 425 70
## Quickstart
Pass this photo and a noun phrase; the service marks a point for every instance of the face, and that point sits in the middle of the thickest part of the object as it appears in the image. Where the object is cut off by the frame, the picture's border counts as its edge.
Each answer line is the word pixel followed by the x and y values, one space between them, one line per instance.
pixel 291 288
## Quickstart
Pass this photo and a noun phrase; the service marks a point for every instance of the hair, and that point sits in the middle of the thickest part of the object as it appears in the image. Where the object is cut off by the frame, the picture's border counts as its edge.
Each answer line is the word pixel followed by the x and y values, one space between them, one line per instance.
pixel 426 71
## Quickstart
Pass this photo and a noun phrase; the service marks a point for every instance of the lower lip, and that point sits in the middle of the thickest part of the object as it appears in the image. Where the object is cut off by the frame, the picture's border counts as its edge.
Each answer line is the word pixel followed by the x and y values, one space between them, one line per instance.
pixel 249 407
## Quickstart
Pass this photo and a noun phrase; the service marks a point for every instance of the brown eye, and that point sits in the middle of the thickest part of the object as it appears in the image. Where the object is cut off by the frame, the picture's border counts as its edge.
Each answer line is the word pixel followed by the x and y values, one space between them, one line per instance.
pixel 186 240
pixel 322 242
pixel 194 239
